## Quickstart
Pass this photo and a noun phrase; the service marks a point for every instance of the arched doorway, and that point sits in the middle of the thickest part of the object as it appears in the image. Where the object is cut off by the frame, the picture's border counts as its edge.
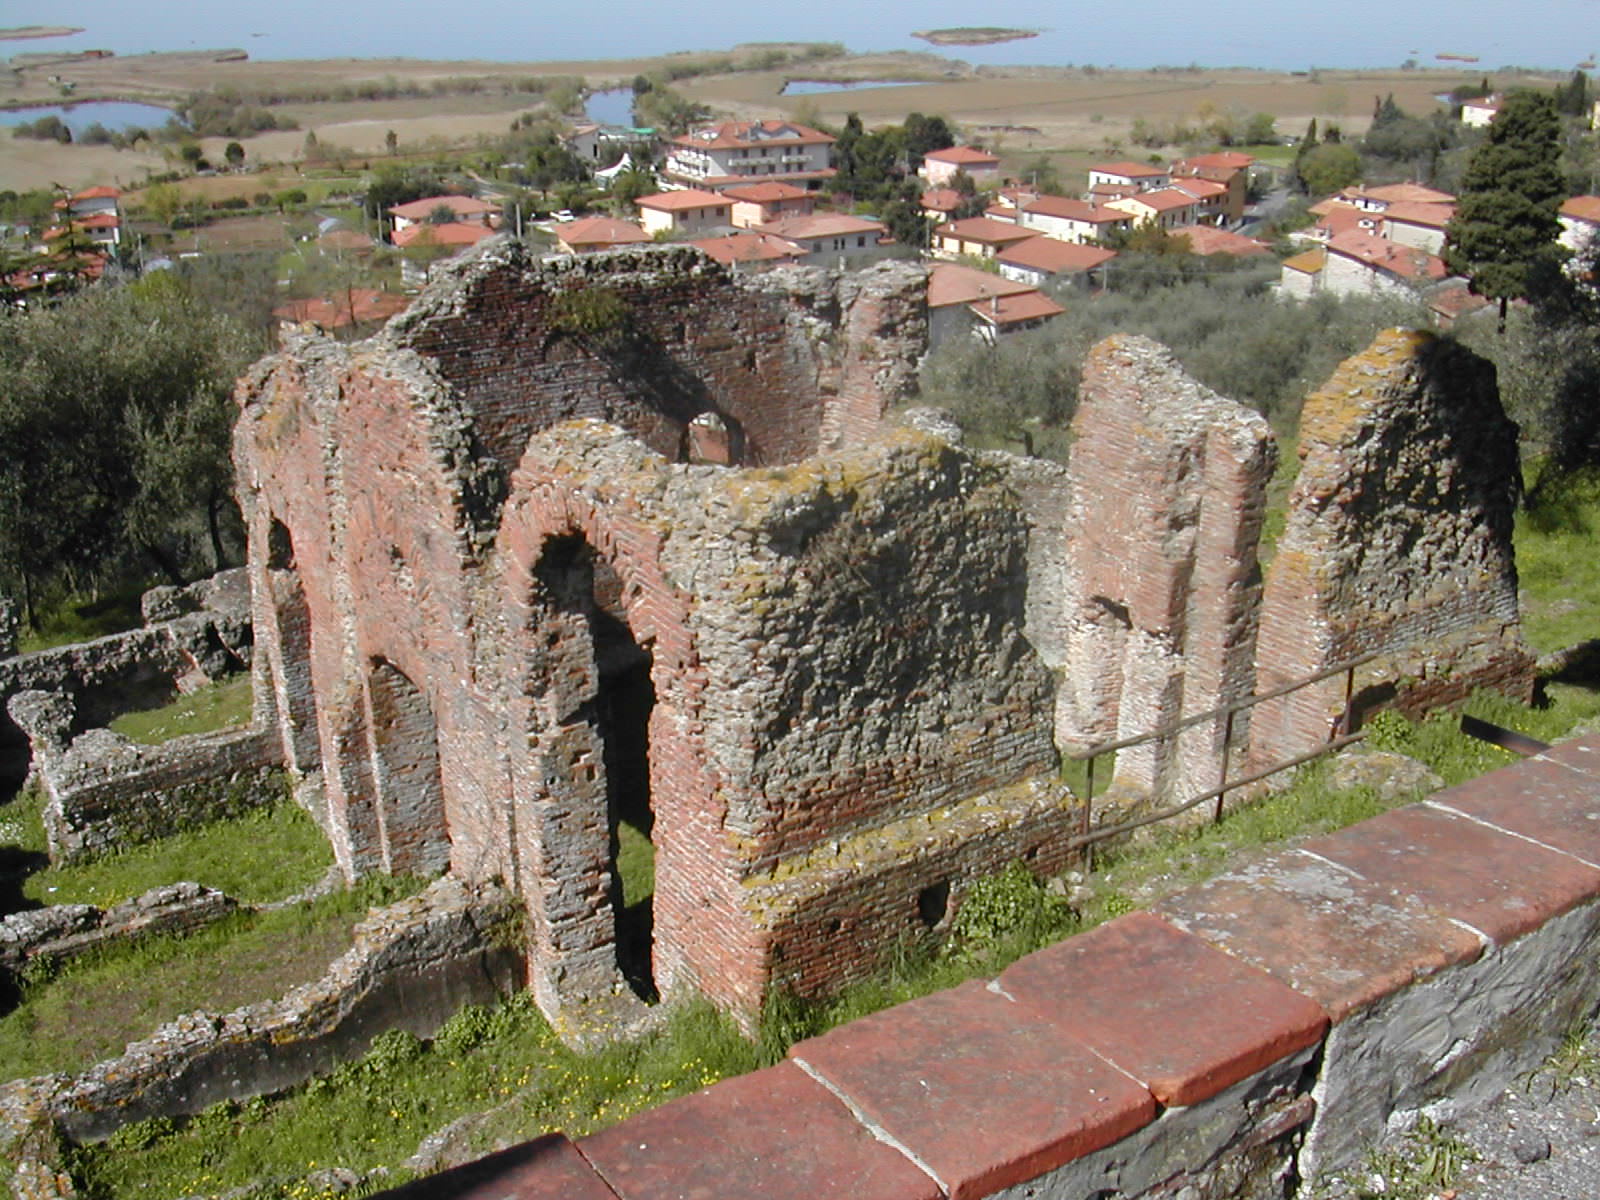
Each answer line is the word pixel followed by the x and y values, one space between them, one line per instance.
pixel 590 637
pixel 295 694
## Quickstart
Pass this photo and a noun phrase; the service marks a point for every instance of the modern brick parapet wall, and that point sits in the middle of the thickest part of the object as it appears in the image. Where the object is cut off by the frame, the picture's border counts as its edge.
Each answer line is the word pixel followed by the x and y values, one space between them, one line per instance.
pixel 1261 1027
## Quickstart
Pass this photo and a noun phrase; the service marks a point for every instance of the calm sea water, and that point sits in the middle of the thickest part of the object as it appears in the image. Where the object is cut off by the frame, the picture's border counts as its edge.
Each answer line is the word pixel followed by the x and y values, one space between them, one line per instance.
pixel 113 114
pixel 1261 33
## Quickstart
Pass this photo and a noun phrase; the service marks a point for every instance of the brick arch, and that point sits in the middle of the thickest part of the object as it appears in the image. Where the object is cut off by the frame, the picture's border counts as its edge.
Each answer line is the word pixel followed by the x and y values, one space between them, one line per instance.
pixel 556 751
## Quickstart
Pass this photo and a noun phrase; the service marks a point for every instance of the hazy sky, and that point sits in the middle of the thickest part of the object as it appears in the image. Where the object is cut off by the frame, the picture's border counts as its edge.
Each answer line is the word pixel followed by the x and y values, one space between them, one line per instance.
pixel 1266 33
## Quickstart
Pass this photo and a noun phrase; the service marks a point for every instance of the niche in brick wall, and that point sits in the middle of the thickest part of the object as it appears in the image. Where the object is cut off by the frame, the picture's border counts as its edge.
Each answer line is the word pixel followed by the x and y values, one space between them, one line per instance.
pixel 292 650
pixel 583 585
pixel 405 760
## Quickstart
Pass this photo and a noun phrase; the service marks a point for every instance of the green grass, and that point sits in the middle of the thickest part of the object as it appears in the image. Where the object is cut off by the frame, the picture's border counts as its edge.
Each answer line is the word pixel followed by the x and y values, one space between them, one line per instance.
pixel 98 1004
pixel 636 864
pixel 1559 566
pixel 375 1112
pixel 266 855
pixel 222 705
pixel 79 620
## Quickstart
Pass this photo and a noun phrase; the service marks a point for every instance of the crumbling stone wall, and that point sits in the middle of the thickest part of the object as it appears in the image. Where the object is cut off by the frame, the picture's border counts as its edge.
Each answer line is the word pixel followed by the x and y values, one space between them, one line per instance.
pixel 1168 493
pixel 192 636
pixel 102 791
pixel 463 602
pixel 1398 543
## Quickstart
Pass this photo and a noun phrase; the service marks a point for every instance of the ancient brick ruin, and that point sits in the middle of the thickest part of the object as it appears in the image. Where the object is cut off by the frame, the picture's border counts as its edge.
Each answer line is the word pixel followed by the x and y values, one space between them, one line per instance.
pixel 581 550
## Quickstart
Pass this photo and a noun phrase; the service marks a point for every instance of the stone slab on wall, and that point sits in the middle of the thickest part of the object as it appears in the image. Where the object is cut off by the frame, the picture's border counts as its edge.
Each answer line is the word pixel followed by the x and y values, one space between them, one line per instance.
pixel 1163 590
pixel 61 932
pixel 1318 996
pixel 1397 542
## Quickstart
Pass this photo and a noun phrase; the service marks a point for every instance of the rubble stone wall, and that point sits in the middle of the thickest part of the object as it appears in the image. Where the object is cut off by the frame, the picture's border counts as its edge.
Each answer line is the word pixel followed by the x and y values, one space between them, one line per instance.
pixel 1398 542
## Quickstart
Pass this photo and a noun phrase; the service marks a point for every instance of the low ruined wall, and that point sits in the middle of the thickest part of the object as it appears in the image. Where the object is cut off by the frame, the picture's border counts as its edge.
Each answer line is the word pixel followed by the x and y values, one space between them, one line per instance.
pixel 192 636
pixel 412 966
pixel 103 791
pixel 1263 1027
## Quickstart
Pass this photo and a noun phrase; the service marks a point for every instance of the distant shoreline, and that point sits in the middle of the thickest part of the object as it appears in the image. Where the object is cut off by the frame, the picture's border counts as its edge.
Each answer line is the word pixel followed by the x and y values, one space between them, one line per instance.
pixel 18 33
pixel 978 35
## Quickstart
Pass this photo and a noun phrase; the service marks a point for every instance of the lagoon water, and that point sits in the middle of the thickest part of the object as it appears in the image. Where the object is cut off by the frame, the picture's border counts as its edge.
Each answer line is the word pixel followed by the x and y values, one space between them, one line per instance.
pixel 115 115
pixel 1259 33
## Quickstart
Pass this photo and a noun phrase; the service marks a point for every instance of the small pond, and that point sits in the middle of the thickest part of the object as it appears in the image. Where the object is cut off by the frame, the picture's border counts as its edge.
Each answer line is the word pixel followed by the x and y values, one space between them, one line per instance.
pixel 812 87
pixel 115 115
pixel 613 107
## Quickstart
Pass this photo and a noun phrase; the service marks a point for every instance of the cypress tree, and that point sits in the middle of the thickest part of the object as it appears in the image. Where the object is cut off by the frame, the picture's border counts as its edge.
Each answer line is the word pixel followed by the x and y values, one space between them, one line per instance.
pixel 1505 221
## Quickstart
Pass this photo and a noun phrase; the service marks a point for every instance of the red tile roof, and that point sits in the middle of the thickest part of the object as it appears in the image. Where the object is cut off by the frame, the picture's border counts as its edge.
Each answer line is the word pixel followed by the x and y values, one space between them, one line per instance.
pixel 1161 200
pixel 1056 257
pixel 983 229
pixel 102 192
pixel 345 239
pixel 682 200
pixel 1434 216
pixel 1309 263
pixel 1582 208
pixel 1382 254
pixel 952 283
pixel 95 221
pixel 1128 170
pixel 1011 310
pixel 1393 193
pixel 344 308
pixel 750 247
pixel 1208 239
pixel 1069 209
pixel 600 231
pixel 942 199
pixel 964 156
pixel 816 225
pixel 720 181
pixel 462 206
pixel 1458 301
pixel 1224 159
pixel 766 193
pixel 753 133
pixel 456 233
pixel 1337 218
pixel 1200 189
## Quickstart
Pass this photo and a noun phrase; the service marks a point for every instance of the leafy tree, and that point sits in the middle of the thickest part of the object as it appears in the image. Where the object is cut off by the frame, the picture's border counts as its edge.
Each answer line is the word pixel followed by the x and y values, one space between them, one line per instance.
pixel 925 134
pixel 234 153
pixel 1326 168
pixel 1572 98
pixel 391 141
pixel 1505 224
pixel 117 440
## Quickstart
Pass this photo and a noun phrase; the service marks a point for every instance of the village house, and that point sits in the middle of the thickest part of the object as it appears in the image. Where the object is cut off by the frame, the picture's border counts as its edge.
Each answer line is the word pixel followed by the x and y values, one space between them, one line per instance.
pixel 941 204
pixel 351 307
pixel 427 245
pixel 1361 263
pixel 964 301
pixel 982 237
pixel 832 239
pixel 1164 208
pixel 757 203
pixel 596 144
pixel 1128 177
pixel 1580 218
pixel 1230 168
pixel 751 251
pixel 939 167
pixel 1069 220
pixel 1377 199
pixel 742 151
pixel 95 211
pixel 1040 259
pixel 1479 113
pixel 1210 197
pixel 587 235
pixel 1300 277
pixel 689 210
pixel 1419 225
pixel 465 210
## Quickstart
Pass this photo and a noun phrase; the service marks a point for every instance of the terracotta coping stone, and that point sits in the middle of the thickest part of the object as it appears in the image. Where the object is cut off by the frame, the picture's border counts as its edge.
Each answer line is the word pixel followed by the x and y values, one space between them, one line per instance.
pixel 1180 1016
pixel 1326 932
pixel 1582 754
pixel 1500 885
pixel 979 1089
pixel 547 1168
pixel 777 1134
pixel 1552 804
